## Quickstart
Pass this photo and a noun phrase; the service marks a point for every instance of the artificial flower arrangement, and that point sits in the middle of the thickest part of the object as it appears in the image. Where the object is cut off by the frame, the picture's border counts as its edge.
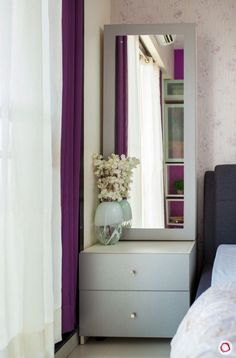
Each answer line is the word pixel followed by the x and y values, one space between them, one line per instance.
pixel 114 176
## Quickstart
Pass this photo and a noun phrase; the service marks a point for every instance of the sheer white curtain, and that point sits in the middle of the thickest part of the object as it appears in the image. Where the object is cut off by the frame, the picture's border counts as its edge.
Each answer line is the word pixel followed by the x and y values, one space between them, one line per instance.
pixel 134 129
pixel 30 114
pixel 145 140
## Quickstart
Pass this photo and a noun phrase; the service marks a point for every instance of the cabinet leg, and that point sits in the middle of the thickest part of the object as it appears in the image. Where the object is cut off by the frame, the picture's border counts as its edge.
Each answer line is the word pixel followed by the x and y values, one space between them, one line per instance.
pixel 82 340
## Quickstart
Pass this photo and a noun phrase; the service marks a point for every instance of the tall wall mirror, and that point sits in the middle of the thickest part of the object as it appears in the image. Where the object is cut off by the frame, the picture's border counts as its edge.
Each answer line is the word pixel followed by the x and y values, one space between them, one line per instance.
pixel 149 113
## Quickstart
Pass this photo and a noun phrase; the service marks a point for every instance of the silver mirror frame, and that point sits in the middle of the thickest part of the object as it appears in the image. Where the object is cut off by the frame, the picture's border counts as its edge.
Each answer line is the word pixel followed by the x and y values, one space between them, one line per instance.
pixel 188 30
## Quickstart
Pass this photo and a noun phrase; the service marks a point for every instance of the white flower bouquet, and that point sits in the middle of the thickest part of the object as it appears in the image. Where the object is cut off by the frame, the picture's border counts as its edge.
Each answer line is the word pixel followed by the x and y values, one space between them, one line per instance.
pixel 114 176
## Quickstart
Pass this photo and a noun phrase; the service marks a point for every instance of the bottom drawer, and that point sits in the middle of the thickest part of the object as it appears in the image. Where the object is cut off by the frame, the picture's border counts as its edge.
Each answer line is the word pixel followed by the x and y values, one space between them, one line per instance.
pixel 132 314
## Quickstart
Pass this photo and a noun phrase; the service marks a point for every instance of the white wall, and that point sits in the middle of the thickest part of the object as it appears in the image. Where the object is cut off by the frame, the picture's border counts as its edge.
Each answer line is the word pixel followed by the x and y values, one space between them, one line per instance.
pixel 216 70
pixel 97 13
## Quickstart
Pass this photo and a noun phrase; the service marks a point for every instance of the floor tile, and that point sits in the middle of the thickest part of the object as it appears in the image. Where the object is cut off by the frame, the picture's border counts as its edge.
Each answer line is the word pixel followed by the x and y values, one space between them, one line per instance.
pixel 123 348
pixel 138 347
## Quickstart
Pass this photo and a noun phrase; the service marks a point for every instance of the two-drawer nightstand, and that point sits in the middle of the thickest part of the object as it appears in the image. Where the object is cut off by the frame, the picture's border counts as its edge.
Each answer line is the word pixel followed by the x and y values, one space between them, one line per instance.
pixel 135 289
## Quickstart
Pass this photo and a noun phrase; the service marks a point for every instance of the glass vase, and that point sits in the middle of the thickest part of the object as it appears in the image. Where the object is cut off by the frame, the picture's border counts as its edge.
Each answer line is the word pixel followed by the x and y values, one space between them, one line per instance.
pixel 127 213
pixel 108 222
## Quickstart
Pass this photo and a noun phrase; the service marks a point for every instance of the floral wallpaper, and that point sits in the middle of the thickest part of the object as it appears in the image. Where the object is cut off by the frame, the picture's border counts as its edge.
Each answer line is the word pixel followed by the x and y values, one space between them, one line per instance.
pixel 216 71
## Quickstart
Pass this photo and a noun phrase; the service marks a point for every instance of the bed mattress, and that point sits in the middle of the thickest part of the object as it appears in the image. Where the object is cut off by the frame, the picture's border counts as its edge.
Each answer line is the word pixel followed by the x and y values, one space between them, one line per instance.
pixel 209 328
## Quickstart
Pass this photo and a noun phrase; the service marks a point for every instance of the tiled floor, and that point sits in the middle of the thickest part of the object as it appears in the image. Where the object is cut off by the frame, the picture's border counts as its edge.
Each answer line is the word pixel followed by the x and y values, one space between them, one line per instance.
pixel 123 348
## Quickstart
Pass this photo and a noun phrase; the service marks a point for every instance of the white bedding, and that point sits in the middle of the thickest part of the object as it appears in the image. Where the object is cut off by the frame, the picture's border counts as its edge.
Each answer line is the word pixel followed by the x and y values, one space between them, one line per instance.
pixel 224 268
pixel 211 320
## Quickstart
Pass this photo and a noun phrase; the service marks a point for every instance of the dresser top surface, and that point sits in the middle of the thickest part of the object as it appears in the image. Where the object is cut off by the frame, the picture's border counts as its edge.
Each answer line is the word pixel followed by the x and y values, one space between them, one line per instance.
pixel 143 247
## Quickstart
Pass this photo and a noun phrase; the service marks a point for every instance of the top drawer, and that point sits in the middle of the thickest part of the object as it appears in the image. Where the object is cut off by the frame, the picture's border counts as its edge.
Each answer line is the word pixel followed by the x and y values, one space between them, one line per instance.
pixel 144 272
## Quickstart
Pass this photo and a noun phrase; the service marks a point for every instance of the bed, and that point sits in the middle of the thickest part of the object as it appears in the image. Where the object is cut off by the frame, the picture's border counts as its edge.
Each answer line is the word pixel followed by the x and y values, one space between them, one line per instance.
pixel 219 217
pixel 209 328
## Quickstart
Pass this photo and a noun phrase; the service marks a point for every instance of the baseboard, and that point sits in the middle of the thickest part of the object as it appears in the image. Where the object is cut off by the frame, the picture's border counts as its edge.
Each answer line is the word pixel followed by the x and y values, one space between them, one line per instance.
pixel 68 347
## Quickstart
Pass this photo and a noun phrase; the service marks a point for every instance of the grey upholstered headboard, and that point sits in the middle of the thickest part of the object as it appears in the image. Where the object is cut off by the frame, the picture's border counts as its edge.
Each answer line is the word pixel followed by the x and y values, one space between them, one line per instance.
pixel 225 179
pixel 219 209
pixel 209 218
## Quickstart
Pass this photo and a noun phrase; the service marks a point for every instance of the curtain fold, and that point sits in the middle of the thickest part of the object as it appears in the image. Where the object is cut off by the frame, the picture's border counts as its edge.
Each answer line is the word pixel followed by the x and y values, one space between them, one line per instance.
pixel 121 96
pixel 145 139
pixel 30 217
pixel 134 128
pixel 152 146
pixel 71 146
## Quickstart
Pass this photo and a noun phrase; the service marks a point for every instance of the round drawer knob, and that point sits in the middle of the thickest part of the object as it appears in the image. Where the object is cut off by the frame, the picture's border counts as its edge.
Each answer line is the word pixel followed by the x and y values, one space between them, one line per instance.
pixel 133 315
pixel 133 272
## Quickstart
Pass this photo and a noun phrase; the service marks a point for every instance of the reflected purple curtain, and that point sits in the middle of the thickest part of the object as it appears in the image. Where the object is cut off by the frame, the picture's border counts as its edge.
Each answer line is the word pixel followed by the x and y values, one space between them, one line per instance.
pixel 71 146
pixel 121 100
pixel 179 64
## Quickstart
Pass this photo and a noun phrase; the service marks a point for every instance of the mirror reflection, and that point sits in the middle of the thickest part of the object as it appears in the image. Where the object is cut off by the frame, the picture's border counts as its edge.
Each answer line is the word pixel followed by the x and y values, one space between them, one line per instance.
pixel 150 125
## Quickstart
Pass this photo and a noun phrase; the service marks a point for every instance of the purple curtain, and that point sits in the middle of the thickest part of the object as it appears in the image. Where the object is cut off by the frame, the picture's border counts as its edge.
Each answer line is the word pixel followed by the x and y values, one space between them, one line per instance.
pixel 121 100
pixel 71 149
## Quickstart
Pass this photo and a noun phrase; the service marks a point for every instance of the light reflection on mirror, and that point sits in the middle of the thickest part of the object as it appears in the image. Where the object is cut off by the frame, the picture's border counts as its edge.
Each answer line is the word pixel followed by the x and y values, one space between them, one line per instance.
pixel 150 125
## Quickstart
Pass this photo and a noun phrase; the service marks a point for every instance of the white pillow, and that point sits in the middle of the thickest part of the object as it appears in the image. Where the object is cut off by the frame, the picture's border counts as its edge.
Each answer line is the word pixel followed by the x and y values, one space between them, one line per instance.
pixel 224 268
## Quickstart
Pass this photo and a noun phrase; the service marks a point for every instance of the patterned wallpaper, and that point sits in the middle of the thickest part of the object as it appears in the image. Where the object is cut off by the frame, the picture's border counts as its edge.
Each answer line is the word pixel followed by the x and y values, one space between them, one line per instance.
pixel 216 70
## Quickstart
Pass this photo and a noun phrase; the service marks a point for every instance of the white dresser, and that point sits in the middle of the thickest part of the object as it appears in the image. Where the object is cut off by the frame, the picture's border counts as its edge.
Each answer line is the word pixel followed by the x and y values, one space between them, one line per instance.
pixel 135 289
